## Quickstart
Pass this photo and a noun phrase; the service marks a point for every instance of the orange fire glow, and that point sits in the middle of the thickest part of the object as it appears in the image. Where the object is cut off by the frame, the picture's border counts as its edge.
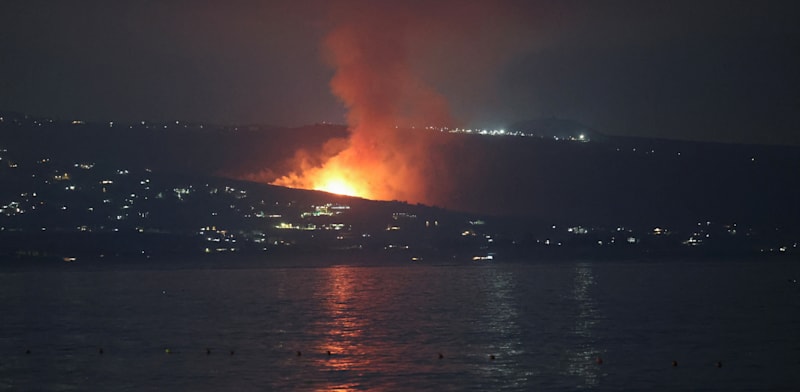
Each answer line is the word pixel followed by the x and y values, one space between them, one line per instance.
pixel 375 81
pixel 374 48
pixel 338 175
pixel 337 184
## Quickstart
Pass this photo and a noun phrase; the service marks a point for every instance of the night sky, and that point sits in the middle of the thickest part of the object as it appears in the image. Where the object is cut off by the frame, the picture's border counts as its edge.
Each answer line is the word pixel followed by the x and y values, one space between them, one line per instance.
pixel 718 71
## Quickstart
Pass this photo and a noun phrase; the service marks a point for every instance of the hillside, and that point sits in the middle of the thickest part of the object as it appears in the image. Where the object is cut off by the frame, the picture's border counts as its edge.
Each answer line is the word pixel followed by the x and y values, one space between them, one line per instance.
pixel 607 179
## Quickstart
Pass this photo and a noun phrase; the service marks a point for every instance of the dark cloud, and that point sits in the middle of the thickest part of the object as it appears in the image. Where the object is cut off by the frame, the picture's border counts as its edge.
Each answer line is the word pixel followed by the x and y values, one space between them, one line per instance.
pixel 705 70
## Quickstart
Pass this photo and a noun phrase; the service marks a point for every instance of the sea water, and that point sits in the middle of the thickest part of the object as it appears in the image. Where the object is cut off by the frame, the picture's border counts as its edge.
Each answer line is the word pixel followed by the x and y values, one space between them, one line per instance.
pixel 557 326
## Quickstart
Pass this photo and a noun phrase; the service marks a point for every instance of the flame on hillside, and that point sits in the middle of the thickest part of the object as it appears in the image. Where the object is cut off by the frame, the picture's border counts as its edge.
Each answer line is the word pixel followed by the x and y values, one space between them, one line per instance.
pixel 375 49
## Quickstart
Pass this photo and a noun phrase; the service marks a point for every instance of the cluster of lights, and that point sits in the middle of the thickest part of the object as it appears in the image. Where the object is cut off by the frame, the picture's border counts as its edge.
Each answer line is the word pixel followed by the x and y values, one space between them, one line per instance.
pixel 502 132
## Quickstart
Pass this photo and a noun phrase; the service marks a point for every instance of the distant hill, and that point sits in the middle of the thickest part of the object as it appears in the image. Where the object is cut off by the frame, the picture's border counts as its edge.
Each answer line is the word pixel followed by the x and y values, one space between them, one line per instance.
pixel 557 128
pixel 608 180
pixel 53 211
pixel 178 146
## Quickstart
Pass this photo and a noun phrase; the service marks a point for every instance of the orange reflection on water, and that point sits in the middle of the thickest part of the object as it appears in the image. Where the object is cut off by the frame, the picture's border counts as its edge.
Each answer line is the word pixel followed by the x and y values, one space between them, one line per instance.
pixel 344 324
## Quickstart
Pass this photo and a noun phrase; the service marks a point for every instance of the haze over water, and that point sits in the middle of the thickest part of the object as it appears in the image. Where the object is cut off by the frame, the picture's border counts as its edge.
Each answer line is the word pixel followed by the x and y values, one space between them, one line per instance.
pixel 385 326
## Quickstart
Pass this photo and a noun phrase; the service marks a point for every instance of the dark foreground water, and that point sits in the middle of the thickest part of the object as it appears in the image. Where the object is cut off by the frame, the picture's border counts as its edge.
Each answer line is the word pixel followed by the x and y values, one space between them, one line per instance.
pixel 545 324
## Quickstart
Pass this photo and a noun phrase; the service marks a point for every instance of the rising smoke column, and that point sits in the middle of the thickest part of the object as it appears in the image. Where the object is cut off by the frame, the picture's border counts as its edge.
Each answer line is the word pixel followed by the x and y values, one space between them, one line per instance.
pixel 374 48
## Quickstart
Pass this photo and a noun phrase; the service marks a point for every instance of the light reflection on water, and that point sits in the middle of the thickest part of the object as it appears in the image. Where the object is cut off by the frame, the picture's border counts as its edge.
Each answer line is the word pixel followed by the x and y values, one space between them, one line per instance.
pixel 385 328
pixel 583 354
pixel 341 327
pixel 499 290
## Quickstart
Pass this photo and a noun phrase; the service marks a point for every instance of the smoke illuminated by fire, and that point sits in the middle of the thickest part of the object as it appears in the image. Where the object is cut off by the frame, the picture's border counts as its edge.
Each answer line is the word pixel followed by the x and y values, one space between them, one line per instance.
pixel 374 48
